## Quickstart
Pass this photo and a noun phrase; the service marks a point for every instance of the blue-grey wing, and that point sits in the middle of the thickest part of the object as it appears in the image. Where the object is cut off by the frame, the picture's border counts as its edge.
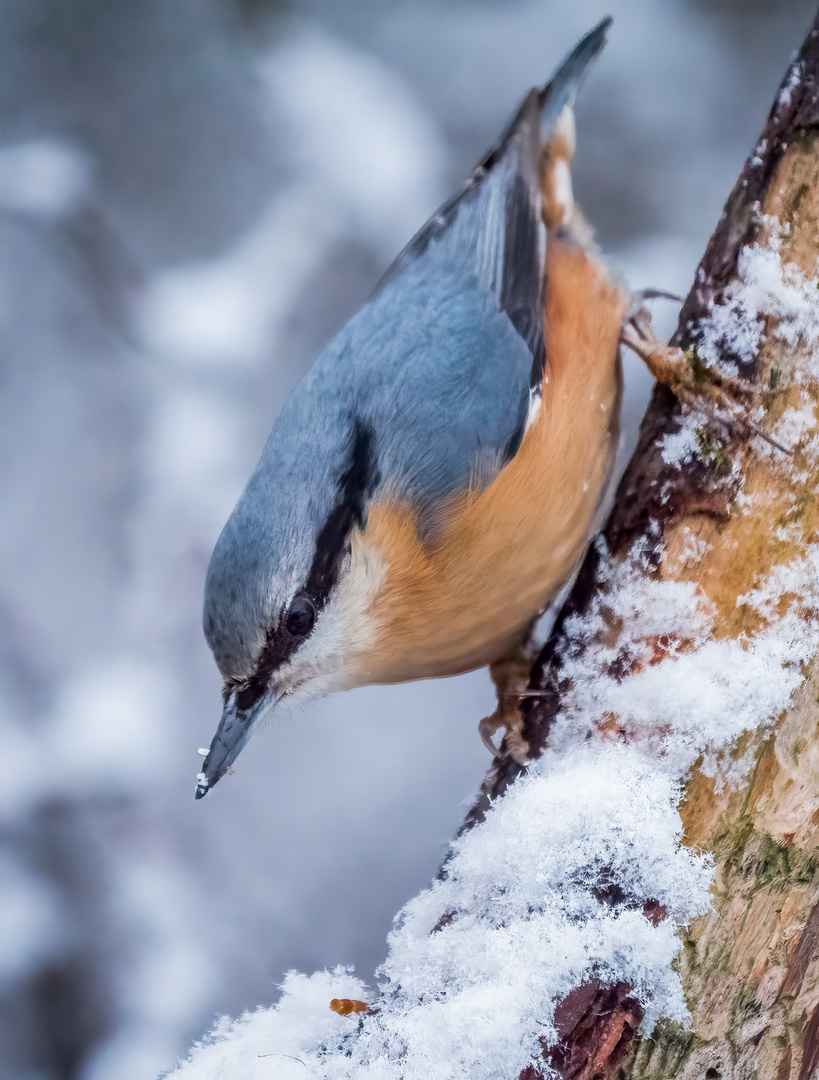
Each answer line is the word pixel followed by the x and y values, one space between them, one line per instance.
pixel 438 374
pixel 439 364
pixel 423 394
pixel 492 229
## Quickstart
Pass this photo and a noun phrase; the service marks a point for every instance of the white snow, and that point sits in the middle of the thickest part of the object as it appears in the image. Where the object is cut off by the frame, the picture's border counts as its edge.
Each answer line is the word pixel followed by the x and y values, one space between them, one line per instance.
pixel 680 446
pixel 766 292
pixel 473 998
pixel 271 1042
pixel 759 150
pixel 694 548
pixel 765 287
pixel 793 80
pixel 532 928
pixel 769 289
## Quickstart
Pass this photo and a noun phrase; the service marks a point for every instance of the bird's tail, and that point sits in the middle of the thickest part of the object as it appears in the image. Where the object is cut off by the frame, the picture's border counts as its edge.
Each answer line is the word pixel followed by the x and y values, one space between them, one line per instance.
pixel 564 85
pixel 492 227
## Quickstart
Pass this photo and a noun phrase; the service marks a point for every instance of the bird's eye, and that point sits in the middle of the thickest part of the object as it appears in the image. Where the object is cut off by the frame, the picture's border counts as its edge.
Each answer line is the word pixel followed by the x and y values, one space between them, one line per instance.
pixel 301 617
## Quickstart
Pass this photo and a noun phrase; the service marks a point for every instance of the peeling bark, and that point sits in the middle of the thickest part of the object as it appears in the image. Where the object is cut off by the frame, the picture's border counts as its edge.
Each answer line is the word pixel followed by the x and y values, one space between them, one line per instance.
pixel 596 1025
pixel 750 968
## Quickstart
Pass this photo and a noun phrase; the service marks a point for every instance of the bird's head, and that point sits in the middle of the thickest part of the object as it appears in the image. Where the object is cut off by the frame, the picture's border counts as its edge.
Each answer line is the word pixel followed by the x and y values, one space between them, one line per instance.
pixel 287 607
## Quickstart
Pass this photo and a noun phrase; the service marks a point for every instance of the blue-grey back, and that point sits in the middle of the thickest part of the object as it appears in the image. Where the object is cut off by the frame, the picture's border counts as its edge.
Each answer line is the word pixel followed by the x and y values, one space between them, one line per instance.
pixel 423 393
pixel 436 374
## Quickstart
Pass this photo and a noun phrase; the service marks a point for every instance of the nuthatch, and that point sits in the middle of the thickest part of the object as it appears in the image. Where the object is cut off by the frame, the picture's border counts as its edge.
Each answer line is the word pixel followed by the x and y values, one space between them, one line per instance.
pixel 434 480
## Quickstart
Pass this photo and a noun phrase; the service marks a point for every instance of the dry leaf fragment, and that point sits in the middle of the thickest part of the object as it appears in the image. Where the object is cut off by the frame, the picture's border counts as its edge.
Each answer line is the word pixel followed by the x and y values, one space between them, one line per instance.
pixel 345 1006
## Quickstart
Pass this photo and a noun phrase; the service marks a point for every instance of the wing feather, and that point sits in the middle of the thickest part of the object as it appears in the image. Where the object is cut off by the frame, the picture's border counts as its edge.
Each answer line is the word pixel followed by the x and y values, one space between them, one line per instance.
pixel 492 228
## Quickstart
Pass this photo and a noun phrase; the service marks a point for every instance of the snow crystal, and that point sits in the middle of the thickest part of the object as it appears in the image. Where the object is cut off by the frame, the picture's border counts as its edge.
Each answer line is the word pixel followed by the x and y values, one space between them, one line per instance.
pixel 281 1041
pixel 794 78
pixel 765 287
pixel 768 289
pixel 767 293
pixel 472 995
pixel 727 770
pixel 797 426
pixel 759 151
pixel 527 924
pixel 795 579
pixel 693 692
pixel 681 446
pixel 693 546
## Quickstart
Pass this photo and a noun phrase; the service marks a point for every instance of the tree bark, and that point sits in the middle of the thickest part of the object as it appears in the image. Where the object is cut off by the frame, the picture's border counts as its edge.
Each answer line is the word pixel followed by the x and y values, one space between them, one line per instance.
pixel 750 967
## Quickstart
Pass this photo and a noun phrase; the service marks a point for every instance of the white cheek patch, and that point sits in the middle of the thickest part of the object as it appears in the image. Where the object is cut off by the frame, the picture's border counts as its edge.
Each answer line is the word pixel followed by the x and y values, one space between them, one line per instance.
pixel 345 630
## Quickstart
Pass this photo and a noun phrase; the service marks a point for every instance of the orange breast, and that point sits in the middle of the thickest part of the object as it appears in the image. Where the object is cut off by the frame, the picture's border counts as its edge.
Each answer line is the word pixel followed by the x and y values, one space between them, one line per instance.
pixel 503 553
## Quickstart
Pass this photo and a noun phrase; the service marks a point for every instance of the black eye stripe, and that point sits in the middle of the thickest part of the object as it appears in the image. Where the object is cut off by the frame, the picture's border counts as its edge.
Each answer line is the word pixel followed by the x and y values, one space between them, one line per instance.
pixel 251 692
pixel 354 487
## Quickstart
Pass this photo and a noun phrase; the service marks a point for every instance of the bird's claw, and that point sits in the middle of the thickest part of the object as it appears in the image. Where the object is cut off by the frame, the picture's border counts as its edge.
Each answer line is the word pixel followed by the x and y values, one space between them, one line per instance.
pixel 699 386
pixel 507 716
pixel 511 678
pixel 637 311
pixel 486 729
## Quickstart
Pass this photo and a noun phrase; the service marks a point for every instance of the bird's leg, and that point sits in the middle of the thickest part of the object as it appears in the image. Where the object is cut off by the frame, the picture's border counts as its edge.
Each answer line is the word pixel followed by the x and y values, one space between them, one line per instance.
pixel 511 678
pixel 700 387
pixel 683 372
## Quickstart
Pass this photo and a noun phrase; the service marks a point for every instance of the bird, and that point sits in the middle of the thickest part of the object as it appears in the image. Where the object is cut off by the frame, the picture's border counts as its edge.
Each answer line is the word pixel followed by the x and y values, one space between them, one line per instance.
pixel 433 481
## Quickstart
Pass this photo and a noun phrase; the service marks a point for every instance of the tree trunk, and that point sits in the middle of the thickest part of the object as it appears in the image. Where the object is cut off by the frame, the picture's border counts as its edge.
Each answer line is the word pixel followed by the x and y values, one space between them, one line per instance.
pixel 740 521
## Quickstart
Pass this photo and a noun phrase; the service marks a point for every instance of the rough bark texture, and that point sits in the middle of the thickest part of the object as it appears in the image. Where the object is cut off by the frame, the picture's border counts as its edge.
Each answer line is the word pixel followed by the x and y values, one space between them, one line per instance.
pixel 750 967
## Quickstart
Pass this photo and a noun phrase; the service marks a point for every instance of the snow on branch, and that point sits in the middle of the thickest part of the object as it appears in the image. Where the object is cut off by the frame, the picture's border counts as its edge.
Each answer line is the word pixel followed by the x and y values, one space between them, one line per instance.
pixel 551 933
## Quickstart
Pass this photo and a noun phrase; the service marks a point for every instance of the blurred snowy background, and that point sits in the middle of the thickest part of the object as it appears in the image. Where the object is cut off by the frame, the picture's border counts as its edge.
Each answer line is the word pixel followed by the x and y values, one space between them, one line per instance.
pixel 193 196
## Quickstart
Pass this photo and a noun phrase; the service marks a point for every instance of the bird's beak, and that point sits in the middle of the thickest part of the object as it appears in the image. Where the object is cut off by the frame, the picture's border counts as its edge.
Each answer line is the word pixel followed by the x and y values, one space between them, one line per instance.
pixel 235 728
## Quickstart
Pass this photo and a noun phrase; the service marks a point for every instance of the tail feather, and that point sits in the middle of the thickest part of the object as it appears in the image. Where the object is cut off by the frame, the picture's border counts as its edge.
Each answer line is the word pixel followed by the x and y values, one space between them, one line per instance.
pixel 563 87
pixel 493 227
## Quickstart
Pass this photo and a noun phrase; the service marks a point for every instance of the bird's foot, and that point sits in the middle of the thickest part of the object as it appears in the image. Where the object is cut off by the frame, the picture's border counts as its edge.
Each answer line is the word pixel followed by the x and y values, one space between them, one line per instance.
pixel 702 388
pixel 507 716
pixel 511 679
